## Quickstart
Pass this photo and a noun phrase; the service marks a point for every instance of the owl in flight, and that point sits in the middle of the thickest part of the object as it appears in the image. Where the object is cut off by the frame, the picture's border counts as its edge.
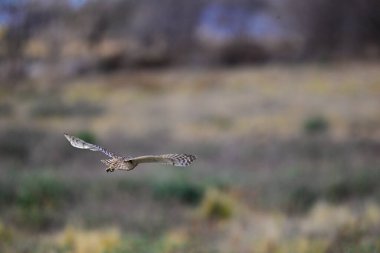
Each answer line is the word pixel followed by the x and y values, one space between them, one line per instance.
pixel 129 163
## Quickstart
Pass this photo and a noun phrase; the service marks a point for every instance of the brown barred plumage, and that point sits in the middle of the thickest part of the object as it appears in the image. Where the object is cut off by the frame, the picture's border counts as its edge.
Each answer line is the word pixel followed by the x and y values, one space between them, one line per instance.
pixel 129 163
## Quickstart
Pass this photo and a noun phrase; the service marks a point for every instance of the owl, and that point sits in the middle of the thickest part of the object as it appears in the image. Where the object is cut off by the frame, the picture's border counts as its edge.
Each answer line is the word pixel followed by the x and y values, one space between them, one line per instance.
pixel 129 163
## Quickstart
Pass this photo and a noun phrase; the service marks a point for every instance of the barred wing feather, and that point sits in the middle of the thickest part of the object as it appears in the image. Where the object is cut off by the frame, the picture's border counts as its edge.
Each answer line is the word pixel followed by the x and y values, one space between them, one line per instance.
pixel 79 143
pixel 173 159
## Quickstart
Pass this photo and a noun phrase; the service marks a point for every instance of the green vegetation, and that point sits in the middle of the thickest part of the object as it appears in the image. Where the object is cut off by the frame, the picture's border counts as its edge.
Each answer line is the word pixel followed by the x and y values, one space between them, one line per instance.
pixel 7 190
pixel 6 110
pixel 301 199
pixel 42 190
pixel 303 194
pixel 358 185
pixel 180 188
pixel 37 198
pixel 6 235
pixel 217 205
pixel 354 239
pixel 40 197
pixel 270 177
pixel 316 125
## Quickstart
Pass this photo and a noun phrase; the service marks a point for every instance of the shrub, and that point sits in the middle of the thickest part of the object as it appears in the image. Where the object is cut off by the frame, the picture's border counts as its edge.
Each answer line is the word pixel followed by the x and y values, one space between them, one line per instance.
pixel 354 239
pixel 143 244
pixel 316 125
pixel 42 190
pixel 180 189
pixel 38 218
pixel 6 235
pixel 7 191
pixel 361 185
pixel 338 191
pixel 111 62
pixel 39 197
pixel 242 52
pixel 365 184
pixel 216 205
pixel 301 199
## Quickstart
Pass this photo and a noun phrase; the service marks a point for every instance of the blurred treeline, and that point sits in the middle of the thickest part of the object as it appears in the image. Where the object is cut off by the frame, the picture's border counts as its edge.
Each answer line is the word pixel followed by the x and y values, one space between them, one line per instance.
pixel 71 37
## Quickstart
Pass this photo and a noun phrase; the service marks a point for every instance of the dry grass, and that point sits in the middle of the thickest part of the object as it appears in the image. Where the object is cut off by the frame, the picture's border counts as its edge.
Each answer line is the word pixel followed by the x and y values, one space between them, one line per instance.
pixel 216 104
pixel 316 231
pixel 79 241
pixel 292 152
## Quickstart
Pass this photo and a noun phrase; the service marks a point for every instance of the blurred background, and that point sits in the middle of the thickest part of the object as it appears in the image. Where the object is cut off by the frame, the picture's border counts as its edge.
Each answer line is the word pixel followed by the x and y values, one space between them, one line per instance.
pixel 280 101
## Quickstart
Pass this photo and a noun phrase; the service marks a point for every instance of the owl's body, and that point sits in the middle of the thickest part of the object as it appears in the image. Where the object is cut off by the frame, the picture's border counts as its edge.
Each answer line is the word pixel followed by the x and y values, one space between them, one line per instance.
pixel 129 163
pixel 118 163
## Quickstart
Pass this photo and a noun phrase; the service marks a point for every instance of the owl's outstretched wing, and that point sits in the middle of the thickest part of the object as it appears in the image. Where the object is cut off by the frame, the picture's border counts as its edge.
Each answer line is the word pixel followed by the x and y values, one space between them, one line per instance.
pixel 173 159
pixel 79 143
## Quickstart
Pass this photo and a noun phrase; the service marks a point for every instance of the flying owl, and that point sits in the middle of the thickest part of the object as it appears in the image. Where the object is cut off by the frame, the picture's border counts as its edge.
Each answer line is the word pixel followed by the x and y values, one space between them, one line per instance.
pixel 129 163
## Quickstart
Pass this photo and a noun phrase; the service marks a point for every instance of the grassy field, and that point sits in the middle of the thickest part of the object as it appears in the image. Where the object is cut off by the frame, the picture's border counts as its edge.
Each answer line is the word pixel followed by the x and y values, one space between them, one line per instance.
pixel 287 161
